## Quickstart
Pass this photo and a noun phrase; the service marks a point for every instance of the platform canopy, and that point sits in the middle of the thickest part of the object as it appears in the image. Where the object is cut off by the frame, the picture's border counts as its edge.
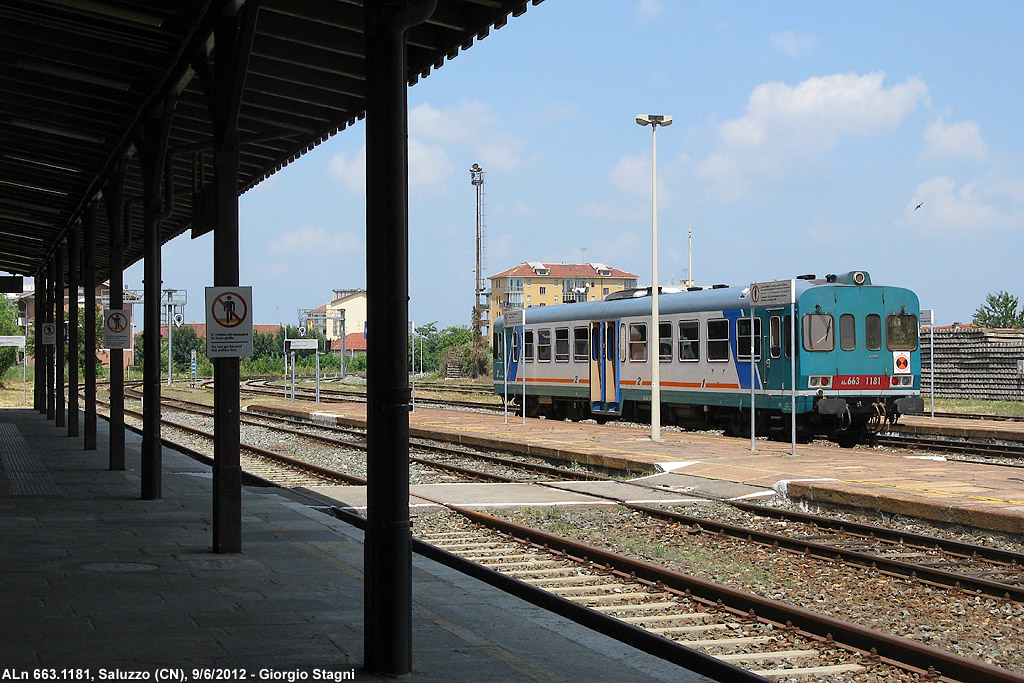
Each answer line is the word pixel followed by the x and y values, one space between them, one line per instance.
pixel 78 78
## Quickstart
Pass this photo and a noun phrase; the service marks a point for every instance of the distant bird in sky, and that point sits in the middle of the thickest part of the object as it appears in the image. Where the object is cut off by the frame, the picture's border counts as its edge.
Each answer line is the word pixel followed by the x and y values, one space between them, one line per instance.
pixel 918 206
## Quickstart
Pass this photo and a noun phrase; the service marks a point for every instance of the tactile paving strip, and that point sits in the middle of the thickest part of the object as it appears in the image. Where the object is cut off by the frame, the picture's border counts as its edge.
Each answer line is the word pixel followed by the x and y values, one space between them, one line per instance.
pixel 24 470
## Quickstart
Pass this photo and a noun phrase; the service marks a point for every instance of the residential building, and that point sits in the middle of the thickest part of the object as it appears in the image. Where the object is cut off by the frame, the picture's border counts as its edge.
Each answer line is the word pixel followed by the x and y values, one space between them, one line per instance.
pixel 547 284
pixel 353 303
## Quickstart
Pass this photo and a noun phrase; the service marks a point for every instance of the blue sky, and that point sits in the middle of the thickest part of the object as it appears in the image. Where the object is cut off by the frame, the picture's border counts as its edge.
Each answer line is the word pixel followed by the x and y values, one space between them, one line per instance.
pixel 804 136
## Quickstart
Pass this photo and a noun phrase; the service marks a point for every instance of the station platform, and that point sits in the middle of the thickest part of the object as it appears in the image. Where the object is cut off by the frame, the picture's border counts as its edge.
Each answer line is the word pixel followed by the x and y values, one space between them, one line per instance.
pixel 92 577
pixel 928 487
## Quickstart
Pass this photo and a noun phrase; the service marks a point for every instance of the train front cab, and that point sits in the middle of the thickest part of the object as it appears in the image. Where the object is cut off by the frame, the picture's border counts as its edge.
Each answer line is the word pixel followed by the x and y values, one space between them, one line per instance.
pixel 858 354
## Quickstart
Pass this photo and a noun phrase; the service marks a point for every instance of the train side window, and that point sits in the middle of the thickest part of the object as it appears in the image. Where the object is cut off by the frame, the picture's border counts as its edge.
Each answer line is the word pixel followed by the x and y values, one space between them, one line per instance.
pixel 515 346
pixel 665 342
pixel 528 346
pixel 775 336
pixel 495 346
pixel 743 338
pixel 610 342
pixel 638 342
pixel 873 332
pixel 819 332
pixel 901 332
pixel 544 345
pixel 580 343
pixel 718 340
pixel 689 340
pixel 847 332
pixel 622 344
pixel 562 344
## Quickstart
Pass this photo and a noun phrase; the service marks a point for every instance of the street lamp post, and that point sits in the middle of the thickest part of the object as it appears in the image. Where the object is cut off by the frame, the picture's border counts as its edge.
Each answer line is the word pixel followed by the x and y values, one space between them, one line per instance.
pixel 654 337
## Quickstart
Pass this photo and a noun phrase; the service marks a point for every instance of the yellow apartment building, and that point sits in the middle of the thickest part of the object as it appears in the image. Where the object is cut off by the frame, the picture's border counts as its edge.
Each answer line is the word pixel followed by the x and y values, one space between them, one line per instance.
pixel 549 284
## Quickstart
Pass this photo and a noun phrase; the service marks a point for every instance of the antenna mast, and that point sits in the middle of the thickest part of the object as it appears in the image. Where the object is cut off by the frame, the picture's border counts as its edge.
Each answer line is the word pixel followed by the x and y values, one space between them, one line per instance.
pixel 477 176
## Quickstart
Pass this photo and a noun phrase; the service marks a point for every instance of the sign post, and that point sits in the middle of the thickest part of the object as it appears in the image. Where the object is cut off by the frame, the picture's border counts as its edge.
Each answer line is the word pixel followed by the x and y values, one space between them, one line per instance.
pixel 19 341
pixel 293 345
pixel 764 295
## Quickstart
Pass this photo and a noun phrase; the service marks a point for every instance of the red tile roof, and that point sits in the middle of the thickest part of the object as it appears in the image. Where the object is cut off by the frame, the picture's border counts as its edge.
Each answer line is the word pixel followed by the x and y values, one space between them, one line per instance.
pixel 563 270
pixel 353 342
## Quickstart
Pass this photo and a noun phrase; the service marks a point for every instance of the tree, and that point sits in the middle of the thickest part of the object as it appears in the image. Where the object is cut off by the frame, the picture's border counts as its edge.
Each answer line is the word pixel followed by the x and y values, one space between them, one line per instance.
pixel 999 310
pixel 8 326
pixel 184 340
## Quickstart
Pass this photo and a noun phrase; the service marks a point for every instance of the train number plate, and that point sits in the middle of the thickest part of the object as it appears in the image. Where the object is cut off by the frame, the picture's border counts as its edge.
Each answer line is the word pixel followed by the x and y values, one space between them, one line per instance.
pixel 860 382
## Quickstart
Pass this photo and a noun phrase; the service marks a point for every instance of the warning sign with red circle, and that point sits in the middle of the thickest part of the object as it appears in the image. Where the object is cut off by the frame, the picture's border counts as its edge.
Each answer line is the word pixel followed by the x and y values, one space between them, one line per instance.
pixel 117 328
pixel 901 362
pixel 228 322
pixel 49 334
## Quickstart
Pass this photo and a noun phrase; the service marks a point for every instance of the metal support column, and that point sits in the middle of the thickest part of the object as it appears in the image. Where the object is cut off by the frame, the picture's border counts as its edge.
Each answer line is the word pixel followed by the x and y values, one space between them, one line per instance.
pixel 39 369
pixel 223 87
pixel 49 316
pixel 387 641
pixel 113 194
pixel 58 383
pixel 74 259
pixel 89 289
pixel 151 156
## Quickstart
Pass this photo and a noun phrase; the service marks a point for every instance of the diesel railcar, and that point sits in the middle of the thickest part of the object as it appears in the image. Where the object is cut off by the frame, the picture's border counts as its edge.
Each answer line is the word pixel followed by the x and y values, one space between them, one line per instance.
pixel 856 359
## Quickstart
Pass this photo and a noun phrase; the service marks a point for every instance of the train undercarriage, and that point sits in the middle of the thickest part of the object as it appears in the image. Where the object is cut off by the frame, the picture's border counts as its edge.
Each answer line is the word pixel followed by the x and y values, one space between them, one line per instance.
pixel 847 422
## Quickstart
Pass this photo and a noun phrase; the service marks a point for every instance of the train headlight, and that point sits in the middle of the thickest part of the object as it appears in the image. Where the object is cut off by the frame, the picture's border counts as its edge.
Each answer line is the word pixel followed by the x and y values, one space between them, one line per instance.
pixel 895 381
pixel 825 381
pixel 859 278
pixel 813 381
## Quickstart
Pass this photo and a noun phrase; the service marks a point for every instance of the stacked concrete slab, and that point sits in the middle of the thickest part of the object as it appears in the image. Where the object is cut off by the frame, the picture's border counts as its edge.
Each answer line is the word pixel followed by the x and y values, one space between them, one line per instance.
pixel 974 362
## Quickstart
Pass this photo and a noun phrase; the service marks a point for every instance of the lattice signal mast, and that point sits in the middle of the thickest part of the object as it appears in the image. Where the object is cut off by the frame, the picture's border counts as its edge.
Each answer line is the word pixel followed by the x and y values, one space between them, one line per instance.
pixel 477 175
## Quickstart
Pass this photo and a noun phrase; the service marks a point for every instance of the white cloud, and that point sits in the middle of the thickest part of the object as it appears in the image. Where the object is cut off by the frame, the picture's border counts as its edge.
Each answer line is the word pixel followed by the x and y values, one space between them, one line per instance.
pixel 350 170
pixel 973 207
pixel 957 141
pixel 649 10
pixel 468 129
pixel 316 240
pixel 785 125
pixel 794 44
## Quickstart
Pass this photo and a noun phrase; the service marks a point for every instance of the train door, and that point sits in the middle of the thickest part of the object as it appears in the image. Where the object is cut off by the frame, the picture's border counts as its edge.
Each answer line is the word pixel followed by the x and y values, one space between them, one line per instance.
pixel 605 395
pixel 775 363
pixel 867 354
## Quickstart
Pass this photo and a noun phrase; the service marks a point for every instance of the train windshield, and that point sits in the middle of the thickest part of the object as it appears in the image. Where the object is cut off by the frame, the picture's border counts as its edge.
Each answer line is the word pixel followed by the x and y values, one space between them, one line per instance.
pixel 901 332
pixel 819 332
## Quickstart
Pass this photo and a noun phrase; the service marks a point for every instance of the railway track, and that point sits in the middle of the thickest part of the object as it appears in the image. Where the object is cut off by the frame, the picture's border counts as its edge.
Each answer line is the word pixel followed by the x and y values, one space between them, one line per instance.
pixel 727 628
pixel 985 452
pixel 430 455
pixel 767 646
pixel 337 395
pixel 940 562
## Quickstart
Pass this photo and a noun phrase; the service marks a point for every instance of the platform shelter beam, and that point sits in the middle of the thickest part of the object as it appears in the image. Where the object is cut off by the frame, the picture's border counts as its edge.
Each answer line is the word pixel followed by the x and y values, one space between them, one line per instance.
pixel 223 86
pixel 89 289
pixel 113 195
pixel 58 385
pixel 74 259
pixel 49 316
pixel 152 151
pixel 388 546
pixel 39 369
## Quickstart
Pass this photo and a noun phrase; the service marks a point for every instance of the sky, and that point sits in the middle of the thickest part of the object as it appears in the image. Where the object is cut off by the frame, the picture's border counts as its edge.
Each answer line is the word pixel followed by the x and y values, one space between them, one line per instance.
pixel 805 137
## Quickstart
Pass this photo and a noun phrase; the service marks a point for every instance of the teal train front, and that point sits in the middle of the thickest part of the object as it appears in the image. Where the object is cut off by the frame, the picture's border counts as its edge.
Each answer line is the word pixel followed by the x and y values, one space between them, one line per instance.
pixel 857 358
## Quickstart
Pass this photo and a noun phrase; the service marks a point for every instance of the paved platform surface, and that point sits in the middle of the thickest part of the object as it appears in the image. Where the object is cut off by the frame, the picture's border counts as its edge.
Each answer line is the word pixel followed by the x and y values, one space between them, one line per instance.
pixel 93 577
pixel 984 496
